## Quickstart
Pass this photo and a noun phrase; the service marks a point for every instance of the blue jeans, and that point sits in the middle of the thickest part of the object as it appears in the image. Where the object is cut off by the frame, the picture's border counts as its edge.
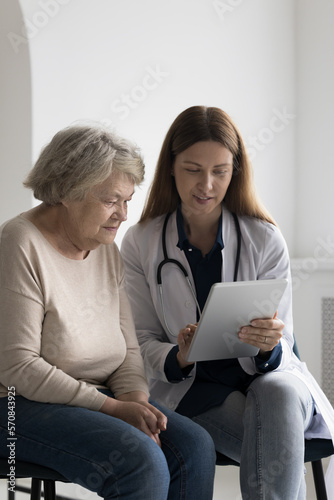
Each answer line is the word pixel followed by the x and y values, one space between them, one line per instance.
pixel 110 457
pixel 264 432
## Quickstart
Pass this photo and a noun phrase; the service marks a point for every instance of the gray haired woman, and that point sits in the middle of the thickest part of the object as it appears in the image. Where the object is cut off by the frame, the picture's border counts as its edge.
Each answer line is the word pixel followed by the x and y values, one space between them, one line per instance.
pixel 68 345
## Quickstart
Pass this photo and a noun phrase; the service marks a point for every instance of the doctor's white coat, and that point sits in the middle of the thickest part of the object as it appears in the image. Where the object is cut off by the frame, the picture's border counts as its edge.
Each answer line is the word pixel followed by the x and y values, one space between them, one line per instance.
pixel 264 255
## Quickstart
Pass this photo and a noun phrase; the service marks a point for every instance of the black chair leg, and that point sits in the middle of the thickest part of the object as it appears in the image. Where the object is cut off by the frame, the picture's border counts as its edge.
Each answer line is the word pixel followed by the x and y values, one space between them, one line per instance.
pixel 319 480
pixel 49 489
pixel 35 489
pixel 11 495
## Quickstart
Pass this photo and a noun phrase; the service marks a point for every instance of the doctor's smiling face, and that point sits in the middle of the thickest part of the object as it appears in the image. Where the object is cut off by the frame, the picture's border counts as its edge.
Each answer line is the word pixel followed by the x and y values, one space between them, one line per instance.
pixel 203 173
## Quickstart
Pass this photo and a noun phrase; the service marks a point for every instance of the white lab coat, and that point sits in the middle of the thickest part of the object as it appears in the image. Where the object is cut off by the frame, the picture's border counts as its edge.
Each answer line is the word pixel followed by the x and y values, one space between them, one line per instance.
pixel 264 255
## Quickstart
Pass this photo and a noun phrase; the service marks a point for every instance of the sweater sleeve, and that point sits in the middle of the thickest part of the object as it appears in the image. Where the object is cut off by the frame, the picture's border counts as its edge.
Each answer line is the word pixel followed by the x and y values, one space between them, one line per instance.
pixel 21 321
pixel 130 376
pixel 21 364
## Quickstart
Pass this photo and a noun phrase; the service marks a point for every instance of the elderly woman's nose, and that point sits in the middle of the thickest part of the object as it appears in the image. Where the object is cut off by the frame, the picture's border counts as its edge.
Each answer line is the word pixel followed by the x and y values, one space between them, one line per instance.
pixel 121 212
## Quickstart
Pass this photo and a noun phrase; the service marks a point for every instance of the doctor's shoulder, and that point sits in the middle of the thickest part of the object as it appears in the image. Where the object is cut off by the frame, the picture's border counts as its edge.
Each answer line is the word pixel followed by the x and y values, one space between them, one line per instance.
pixel 261 232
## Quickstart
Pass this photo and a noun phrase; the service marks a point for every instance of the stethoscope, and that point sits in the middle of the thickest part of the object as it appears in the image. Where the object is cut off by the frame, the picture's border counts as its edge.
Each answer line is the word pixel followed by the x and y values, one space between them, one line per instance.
pixel 167 260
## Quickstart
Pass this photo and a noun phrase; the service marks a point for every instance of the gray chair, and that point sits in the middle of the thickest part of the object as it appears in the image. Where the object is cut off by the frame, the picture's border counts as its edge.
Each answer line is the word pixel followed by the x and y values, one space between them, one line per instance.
pixel 38 475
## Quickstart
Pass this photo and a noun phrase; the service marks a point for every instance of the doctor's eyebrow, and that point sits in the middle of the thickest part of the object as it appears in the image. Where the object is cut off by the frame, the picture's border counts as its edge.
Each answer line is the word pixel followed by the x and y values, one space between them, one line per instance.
pixel 226 164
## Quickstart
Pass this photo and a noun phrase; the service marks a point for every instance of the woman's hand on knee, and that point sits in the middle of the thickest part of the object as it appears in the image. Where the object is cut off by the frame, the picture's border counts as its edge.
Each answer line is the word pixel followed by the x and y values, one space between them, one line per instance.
pixel 139 414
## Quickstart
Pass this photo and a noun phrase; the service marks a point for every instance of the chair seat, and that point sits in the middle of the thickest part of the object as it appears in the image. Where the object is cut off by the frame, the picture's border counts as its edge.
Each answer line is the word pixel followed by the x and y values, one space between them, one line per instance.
pixel 315 449
pixel 25 469
pixel 224 460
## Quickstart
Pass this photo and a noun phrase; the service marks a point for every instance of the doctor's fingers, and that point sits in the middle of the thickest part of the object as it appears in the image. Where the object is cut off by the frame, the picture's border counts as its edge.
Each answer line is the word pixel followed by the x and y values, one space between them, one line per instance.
pixel 262 338
pixel 186 332
pixel 274 324
pixel 191 327
pixel 185 337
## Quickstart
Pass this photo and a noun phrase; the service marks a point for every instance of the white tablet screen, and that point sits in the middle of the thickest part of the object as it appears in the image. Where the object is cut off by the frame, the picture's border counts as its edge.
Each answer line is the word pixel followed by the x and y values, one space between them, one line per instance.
pixel 230 306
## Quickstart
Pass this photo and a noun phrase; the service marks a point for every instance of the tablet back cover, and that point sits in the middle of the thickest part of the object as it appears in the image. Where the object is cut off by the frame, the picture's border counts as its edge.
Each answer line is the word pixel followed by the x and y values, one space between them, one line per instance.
pixel 230 306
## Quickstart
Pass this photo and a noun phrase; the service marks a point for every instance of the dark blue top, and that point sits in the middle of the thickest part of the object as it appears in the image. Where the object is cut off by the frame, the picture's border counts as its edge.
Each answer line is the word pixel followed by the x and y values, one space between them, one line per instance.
pixel 216 379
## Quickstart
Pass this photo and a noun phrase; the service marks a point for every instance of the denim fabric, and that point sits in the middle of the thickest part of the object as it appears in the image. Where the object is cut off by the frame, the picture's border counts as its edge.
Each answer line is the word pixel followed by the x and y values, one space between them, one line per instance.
pixel 264 432
pixel 110 457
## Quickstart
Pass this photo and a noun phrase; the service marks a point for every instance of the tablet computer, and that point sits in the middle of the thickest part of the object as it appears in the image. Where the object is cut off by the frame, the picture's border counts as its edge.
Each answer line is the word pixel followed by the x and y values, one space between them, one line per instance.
pixel 228 307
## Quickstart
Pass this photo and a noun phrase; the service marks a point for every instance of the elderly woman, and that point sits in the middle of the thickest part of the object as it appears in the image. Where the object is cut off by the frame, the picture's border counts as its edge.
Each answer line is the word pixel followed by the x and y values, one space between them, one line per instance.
pixel 68 345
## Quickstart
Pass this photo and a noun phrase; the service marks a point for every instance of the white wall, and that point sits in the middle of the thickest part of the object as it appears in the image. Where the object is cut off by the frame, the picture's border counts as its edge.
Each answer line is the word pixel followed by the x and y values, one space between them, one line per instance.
pixel 15 115
pixel 87 57
pixel 315 125
pixel 313 271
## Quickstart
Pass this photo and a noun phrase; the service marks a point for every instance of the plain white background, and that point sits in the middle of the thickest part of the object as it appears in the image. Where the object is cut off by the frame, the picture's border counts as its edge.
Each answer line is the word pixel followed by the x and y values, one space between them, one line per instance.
pixel 135 65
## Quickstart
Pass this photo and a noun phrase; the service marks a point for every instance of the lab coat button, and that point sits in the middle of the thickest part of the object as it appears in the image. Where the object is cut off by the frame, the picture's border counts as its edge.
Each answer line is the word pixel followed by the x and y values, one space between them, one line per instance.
pixel 188 304
pixel 171 405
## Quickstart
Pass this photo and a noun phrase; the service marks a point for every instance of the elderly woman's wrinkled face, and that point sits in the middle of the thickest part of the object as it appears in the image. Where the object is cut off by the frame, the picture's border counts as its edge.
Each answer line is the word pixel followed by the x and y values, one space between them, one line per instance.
pixel 96 219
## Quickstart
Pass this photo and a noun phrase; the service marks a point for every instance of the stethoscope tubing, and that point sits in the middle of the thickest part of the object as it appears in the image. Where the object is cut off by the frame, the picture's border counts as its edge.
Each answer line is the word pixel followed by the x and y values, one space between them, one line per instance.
pixel 167 260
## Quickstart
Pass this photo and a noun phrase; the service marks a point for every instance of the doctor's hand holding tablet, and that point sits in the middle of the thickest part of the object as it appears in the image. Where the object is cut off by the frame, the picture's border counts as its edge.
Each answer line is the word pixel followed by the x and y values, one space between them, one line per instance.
pixel 237 321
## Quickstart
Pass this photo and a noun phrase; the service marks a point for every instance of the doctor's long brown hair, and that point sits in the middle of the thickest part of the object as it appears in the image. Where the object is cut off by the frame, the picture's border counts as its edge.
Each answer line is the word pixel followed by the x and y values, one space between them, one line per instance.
pixel 200 123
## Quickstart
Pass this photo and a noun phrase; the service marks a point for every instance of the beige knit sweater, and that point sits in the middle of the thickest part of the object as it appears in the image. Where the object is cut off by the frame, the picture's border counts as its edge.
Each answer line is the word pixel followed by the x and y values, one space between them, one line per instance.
pixel 65 325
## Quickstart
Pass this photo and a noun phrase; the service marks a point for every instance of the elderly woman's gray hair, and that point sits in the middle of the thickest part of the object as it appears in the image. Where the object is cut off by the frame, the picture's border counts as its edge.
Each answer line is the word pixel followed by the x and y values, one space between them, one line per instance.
pixel 79 158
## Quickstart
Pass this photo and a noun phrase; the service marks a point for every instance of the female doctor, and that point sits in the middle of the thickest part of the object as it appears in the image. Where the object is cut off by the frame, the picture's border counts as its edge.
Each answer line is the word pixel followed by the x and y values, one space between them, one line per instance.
pixel 203 224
